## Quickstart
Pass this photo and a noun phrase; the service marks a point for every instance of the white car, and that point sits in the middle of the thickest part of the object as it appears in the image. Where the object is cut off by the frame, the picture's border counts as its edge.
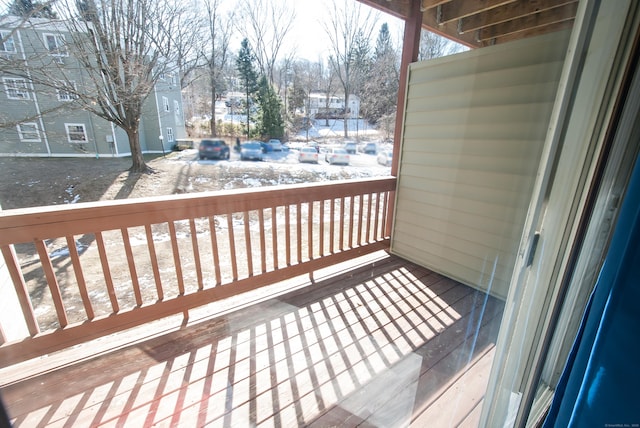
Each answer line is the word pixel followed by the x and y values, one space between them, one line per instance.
pixel 385 157
pixel 308 154
pixel 275 145
pixel 337 156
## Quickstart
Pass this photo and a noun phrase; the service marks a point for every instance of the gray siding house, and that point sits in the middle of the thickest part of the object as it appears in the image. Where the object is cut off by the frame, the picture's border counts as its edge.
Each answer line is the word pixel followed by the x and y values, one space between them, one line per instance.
pixel 42 119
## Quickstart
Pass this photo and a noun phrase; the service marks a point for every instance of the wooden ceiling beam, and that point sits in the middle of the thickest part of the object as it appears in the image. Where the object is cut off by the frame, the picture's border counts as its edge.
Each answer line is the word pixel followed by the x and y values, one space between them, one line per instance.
pixel 428 4
pixel 457 9
pixel 565 25
pixel 529 22
pixel 448 30
pixel 508 12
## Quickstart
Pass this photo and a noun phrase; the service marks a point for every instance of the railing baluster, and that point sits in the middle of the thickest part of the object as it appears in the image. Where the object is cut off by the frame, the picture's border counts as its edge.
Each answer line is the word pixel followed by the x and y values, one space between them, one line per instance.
pixel 342 202
pixel 332 222
pixel 310 231
pixel 367 237
pixel 13 266
pixel 232 247
pixel 196 252
pixel 299 231
pixel 176 257
pixel 360 222
pixel 154 261
pixel 107 273
pixel 321 238
pixel 377 218
pixel 287 232
pixel 384 214
pixel 263 246
pixel 274 237
pixel 247 240
pixel 214 250
pixel 52 282
pixel 132 266
pixel 77 270
pixel 351 212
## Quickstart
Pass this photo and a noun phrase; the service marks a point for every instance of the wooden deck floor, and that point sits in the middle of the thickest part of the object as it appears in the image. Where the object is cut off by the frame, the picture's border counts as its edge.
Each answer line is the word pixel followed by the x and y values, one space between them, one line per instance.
pixel 386 344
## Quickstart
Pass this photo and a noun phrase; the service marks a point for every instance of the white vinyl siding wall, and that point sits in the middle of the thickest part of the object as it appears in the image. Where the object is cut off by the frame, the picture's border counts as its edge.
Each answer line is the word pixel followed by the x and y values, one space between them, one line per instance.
pixel 474 128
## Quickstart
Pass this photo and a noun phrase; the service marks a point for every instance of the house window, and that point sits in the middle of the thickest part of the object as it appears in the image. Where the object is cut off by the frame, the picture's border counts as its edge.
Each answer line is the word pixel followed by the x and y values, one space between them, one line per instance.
pixel 66 91
pixel 7 44
pixel 28 132
pixel 16 89
pixel 76 132
pixel 170 135
pixel 55 44
pixel 176 107
pixel 165 103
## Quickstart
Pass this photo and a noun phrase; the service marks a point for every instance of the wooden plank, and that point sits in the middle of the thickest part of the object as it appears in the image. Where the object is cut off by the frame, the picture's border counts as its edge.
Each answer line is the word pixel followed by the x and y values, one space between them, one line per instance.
pixel 176 257
pixel 52 282
pixel 153 257
pixel 299 231
pixel 247 241
pixel 539 22
pixel 232 247
pixel 310 231
pixel 132 266
pixel 351 215
pixel 287 233
pixel 19 285
pixel 274 237
pixel 263 250
pixel 367 237
pixel 23 225
pixel 342 202
pixel 196 252
pixel 215 250
pixel 508 12
pixel 321 236
pixel 106 271
pixel 457 9
pixel 77 270
pixel 332 225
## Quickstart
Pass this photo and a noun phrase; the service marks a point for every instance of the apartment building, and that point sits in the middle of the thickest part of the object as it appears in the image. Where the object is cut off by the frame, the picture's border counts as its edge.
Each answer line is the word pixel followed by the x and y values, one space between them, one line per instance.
pixel 43 119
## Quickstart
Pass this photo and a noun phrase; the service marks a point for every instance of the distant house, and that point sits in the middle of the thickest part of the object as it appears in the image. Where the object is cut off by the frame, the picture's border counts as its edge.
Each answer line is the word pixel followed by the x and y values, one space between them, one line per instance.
pixel 44 121
pixel 335 108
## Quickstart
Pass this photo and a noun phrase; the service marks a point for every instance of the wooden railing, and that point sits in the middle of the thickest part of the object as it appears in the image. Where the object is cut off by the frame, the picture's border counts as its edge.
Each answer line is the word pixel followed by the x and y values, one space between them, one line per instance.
pixel 87 270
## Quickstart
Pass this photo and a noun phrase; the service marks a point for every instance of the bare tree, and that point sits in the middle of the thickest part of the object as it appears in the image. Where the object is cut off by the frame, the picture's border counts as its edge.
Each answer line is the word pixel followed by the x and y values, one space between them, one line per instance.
pixel 435 46
pixel 266 24
pixel 188 42
pixel 349 23
pixel 216 51
pixel 123 47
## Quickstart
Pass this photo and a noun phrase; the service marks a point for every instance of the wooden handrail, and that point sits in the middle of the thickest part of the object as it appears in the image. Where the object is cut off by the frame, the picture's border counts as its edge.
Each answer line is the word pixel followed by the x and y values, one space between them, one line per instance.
pixel 143 259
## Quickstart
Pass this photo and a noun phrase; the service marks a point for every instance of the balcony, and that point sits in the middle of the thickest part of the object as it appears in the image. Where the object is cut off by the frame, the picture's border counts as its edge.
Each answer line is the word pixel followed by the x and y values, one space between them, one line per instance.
pixel 278 306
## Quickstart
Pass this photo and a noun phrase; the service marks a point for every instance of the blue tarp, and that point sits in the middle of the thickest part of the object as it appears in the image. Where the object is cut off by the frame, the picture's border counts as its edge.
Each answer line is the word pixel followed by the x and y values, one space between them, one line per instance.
pixel 600 386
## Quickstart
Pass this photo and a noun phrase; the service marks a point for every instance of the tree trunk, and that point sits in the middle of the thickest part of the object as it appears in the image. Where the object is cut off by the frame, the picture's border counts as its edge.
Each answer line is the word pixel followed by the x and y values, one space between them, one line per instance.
pixel 213 110
pixel 138 163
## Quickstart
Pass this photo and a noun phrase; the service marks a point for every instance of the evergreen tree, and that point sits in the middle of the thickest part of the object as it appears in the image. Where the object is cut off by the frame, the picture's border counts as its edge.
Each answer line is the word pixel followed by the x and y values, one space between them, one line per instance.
pixel 30 9
pixel 248 75
pixel 270 121
pixel 380 93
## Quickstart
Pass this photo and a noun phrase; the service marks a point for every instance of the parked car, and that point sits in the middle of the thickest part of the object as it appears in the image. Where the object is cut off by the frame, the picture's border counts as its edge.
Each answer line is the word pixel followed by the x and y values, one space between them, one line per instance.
pixel 213 149
pixel 337 156
pixel 251 150
pixel 370 148
pixel 385 157
pixel 275 145
pixel 308 154
pixel 350 147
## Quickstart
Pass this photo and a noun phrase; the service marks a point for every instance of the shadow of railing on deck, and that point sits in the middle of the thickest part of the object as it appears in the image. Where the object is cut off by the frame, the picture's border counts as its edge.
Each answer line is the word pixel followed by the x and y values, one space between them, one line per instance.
pixel 380 343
